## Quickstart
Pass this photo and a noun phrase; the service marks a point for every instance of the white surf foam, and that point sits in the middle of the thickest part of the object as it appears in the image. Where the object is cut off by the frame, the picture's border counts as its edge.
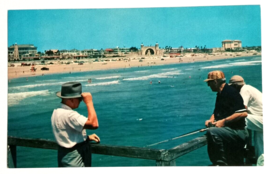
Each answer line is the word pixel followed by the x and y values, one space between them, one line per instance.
pixel 217 66
pixel 15 98
pixel 246 63
pixel 37 85
pixel 250 63
pixel 104 83
pixel 81 80
pixel 159 75
pixel 46 84
pixel 141 71
pixel 169 69
pixel 110 77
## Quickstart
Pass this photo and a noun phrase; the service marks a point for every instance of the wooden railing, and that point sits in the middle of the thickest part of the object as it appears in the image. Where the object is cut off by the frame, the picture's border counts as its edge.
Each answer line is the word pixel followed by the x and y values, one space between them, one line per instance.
pixel 162 157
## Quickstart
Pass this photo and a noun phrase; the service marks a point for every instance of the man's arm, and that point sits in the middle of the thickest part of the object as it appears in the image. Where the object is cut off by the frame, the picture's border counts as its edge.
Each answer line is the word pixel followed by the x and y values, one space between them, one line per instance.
pixel 245 94
pixel 211 120
pixel 92 121
pixel 233 118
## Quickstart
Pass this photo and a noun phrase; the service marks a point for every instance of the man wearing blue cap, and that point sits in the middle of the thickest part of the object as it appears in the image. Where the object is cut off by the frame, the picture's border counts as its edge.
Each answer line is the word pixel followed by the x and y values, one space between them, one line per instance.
pixel 69 126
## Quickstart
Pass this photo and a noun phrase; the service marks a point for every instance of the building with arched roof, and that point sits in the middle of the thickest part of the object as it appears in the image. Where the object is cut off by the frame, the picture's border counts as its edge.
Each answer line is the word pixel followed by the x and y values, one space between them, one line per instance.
pixel 151 50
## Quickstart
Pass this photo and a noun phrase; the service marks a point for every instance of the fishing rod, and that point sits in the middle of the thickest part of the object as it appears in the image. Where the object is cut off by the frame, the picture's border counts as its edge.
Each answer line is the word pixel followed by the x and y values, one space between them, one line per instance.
pixel 183 135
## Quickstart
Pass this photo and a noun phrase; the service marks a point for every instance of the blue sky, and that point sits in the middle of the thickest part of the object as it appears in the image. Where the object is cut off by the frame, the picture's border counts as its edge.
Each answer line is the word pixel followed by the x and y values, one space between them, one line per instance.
pixel 126 27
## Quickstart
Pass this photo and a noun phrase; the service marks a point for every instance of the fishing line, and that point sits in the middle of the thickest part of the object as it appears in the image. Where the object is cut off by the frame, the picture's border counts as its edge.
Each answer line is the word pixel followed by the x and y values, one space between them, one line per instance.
pixel 183 135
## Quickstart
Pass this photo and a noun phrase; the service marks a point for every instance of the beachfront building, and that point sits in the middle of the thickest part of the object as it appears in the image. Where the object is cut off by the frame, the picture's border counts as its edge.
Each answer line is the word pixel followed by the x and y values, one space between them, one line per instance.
pixel 19 52
pixel 217 50
pixel 231 44
pixel 91 53
pixel 151 50
pixel 116 52
pixel 73 54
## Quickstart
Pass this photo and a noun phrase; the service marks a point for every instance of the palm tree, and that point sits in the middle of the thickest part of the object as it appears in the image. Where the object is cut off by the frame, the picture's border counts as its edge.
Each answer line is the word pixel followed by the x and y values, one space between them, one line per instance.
pixel 134 49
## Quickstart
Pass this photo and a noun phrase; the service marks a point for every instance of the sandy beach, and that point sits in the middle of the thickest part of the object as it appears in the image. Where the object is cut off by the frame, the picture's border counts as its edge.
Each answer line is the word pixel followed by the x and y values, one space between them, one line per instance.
pixel 24 71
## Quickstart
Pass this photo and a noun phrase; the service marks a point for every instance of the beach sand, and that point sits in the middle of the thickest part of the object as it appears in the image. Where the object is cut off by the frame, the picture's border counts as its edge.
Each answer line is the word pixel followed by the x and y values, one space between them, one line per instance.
pixel 24 71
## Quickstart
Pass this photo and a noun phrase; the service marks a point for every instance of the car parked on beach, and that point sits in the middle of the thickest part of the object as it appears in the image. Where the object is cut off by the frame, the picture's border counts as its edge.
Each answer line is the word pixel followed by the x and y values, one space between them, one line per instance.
pixel 45 68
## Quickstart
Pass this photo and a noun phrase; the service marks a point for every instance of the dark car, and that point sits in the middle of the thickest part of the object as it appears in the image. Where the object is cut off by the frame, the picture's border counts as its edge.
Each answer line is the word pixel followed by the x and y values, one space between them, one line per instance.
pixel 45 68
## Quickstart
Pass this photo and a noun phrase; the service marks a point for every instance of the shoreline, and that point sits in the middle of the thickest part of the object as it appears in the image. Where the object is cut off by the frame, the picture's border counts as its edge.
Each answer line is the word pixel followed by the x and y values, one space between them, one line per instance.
pixel 24 71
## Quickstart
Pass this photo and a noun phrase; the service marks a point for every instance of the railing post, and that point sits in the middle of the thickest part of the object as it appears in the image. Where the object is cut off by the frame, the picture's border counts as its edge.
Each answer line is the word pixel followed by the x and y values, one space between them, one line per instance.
pixel 12 156
pixel 165 163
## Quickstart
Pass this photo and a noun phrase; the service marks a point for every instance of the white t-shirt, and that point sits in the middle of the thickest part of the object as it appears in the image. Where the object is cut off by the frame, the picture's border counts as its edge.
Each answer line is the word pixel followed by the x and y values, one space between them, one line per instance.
pixel 252 99
pixel 67 126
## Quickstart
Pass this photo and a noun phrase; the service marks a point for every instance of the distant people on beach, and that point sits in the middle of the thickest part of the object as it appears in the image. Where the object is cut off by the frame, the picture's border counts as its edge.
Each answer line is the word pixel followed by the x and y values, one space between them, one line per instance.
pixel 227 135
pixel 252 98
pixel 74 149
pixel 89 80
pixel 158 81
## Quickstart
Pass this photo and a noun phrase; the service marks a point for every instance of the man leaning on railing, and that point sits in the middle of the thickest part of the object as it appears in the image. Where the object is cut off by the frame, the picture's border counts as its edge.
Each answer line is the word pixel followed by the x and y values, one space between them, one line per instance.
pixel 226 140
pixel 69 126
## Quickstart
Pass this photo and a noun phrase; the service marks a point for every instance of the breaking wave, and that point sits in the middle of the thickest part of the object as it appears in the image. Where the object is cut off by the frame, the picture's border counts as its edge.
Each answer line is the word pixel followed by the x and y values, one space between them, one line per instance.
pixel 250 63
pixel 169 69
pixel 159 75
pixel 103 83
pixel 37 85
pixel 141 71
pixel 110 77
pixel 15 98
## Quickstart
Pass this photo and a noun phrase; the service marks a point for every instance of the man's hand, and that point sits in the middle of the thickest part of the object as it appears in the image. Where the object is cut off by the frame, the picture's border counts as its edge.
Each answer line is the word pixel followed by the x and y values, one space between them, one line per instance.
pixel 87 97
pixel 220 123
pixel 208 122
pixel 94 137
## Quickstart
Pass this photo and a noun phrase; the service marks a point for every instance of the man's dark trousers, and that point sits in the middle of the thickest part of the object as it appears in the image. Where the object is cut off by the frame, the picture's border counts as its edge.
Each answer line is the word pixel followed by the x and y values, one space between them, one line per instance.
pixel 77 156
pixel 226 145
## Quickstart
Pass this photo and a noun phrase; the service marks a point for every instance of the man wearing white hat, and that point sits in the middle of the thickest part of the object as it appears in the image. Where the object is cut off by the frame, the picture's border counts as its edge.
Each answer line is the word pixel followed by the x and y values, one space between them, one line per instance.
pixel 253 102
pixel 69 126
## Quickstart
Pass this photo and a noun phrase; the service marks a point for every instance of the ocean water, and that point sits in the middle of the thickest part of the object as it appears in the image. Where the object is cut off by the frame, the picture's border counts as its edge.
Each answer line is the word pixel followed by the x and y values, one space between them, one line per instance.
pixel 130 110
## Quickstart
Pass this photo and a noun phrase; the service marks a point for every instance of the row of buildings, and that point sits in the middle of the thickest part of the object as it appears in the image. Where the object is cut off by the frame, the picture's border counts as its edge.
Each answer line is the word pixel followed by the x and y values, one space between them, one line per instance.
pixel 29 51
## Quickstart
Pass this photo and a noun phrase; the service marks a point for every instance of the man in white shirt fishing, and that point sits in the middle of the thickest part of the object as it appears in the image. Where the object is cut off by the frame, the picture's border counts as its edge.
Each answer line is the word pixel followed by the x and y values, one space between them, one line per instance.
pixel 69 126
pixel 252 98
